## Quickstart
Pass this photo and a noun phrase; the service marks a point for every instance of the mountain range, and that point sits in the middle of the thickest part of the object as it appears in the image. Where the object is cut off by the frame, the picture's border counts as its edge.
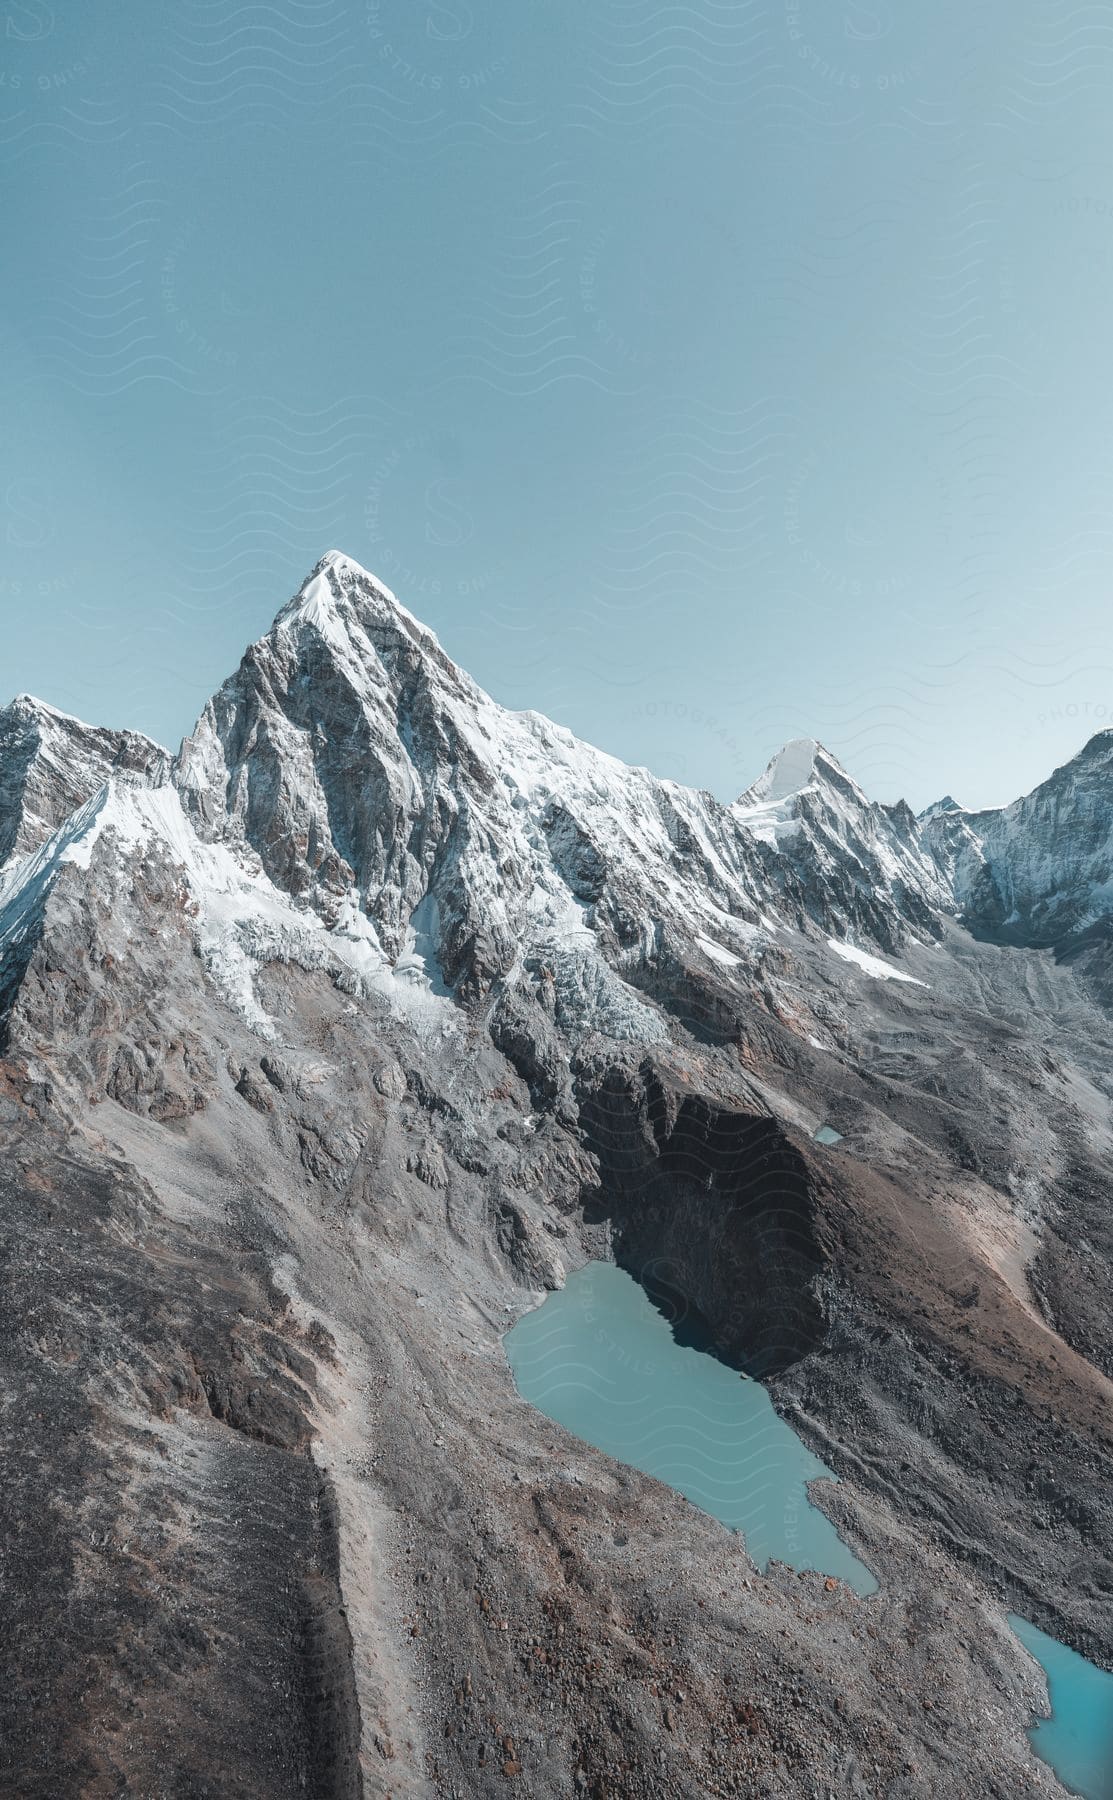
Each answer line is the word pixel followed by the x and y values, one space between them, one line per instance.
pixel 330 1042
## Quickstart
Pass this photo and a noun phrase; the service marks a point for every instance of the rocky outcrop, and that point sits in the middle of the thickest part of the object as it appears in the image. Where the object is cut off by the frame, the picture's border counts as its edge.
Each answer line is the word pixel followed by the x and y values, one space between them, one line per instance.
pixel 172 1614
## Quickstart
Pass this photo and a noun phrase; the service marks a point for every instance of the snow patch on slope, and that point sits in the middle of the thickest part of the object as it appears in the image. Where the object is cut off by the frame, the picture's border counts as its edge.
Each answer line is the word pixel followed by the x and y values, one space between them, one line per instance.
pixel 716 952
pixel 871 965
pixel 241 919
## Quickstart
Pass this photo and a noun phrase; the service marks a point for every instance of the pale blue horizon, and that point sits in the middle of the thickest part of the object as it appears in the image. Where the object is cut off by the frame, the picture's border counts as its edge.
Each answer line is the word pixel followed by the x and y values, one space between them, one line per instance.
pixel 705 376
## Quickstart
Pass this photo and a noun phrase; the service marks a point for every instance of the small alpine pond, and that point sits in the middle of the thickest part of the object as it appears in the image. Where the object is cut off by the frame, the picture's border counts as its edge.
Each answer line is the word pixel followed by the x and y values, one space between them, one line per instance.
pixel 605 1362
pixel 1077 1740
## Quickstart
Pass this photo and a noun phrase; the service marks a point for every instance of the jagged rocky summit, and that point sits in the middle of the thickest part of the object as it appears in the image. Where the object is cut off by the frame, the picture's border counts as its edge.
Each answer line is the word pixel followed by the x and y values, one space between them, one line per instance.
pixel 429 829
pixel 329 1043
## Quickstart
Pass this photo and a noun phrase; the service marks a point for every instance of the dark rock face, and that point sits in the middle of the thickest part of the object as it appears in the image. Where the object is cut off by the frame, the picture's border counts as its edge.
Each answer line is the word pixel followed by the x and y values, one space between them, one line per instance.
pixel 714 1203
pixel 331 1049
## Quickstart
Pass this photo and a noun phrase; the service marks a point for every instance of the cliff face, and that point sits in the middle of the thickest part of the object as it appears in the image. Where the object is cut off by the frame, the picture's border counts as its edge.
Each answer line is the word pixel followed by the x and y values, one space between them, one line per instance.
pixel 1041 870
pixel 330 1047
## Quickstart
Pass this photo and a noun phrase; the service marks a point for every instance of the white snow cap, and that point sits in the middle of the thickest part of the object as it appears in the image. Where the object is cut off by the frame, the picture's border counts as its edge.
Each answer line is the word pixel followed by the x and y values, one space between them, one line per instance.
pixel 803 763
pixel 791 769
pixel 335 577
pixel 25 704
pixel 946 805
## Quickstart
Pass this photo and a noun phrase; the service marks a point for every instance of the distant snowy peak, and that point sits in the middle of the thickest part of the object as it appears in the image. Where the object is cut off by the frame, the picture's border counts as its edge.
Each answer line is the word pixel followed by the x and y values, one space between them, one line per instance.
pixel 51 764
pixel 860 866
pixel 803 763
pixel 938 807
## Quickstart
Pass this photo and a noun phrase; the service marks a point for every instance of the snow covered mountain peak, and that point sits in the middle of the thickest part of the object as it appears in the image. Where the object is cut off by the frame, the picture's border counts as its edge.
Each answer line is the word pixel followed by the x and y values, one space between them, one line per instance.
pixel 366 782
pixel 365 768
pixel 1097 749
pixel 367 777
pixel 1039 870
pixel 26 706
pixel 787 773
pixel 51 763
pixel 329 582
pixel 343 601
pixel 804 766
pixel 858 864
pixel 947 805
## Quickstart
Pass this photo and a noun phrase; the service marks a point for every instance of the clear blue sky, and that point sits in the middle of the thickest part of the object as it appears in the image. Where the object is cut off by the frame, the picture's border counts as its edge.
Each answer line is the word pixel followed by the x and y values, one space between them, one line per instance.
pixel 706 374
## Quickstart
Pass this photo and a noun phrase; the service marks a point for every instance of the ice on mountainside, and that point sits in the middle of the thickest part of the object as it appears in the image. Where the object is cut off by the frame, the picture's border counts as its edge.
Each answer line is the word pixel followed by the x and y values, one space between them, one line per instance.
pixel 351 794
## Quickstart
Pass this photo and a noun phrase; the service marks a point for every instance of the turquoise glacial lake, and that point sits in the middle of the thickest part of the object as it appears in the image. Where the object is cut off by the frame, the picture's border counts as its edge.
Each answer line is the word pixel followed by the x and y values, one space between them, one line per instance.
pixel 606 1363
pixel 1077 1740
